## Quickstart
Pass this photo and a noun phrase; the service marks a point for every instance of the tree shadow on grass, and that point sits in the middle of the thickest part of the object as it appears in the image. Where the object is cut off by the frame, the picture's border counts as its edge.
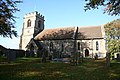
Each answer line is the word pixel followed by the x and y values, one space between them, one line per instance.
pixel 88 70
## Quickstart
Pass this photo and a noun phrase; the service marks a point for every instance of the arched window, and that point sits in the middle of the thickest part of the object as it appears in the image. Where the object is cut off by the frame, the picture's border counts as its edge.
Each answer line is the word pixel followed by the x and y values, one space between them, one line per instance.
pixel 86 52
pixel 78 45
pixel 97 46
pixel 29 23
pixel 39 23
pixel 62 49
pixel 51 46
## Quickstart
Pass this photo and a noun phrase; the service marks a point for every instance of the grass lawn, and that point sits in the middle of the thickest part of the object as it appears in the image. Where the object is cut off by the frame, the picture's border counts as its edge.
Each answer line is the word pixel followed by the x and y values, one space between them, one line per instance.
pixel 32 69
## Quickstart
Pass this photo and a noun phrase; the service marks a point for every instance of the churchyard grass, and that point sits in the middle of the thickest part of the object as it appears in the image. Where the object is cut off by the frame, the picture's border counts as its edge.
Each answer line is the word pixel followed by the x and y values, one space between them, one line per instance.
pixel 33 69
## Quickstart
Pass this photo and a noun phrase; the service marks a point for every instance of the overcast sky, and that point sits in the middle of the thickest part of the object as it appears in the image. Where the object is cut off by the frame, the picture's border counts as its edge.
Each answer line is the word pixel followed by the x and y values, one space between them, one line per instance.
pixel 58 13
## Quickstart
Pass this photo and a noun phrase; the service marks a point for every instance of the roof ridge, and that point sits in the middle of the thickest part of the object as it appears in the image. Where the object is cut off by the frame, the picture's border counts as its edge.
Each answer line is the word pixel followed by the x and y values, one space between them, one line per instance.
pixel 62 27
pixel 89 26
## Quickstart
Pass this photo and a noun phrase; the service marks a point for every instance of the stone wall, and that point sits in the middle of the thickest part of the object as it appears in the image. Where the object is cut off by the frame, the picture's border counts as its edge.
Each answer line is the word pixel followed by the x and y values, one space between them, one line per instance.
pixel 66 47
pixel 60 48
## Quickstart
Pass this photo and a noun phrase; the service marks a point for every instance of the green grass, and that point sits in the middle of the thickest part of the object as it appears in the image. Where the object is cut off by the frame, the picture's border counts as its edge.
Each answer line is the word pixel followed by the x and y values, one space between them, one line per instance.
pixel 32 69
pixel 3 59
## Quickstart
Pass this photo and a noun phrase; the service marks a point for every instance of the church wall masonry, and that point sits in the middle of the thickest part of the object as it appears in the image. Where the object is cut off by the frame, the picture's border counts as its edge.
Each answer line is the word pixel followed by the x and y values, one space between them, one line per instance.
pixel 62 47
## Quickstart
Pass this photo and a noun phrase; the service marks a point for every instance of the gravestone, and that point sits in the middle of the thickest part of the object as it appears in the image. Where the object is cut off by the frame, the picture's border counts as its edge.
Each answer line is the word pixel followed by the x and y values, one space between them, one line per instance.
pixel 11 55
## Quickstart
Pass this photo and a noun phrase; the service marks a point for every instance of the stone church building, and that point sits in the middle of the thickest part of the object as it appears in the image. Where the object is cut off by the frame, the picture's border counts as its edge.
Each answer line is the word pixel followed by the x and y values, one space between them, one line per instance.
pixel 88 41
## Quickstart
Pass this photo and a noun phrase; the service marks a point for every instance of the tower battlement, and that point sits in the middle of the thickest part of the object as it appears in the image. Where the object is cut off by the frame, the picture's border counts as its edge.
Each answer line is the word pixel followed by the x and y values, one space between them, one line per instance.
pixel 35 13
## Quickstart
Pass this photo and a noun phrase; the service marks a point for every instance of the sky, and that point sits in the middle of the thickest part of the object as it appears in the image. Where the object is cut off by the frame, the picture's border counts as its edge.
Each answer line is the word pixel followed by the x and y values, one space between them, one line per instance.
pixel 57 13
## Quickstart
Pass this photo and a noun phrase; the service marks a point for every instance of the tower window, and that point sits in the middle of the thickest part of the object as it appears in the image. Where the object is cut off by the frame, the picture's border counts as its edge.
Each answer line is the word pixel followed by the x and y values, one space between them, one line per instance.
pixel 29 23
pixel 97 45
pixel 39 23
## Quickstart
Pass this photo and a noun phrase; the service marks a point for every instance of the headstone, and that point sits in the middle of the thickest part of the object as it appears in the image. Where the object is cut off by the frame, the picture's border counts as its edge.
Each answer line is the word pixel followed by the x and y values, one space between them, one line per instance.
pixel 11 55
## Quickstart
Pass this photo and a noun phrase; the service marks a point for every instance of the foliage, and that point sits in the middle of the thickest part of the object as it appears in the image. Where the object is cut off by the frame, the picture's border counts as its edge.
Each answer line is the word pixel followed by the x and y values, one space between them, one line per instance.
pixel 7 18
pixel 31 69
pixel 112 31
pixel 112 7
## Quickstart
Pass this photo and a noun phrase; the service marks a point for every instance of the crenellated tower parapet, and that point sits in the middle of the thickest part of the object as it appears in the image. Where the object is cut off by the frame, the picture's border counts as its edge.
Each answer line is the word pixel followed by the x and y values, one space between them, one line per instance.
pixel 35 13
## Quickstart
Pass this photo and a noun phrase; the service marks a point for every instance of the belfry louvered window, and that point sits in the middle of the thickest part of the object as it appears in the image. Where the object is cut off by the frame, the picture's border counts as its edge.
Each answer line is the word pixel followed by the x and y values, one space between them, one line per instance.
pixel 39 24
pixel 29 23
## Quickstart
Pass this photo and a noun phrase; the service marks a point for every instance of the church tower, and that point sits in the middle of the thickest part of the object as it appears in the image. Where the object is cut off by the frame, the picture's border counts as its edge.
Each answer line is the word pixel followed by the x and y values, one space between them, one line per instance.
pixel 33 24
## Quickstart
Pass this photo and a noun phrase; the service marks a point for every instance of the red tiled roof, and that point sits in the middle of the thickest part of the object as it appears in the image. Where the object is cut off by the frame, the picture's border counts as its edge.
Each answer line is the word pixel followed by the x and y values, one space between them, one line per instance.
pixel 90 32
pixel 56 33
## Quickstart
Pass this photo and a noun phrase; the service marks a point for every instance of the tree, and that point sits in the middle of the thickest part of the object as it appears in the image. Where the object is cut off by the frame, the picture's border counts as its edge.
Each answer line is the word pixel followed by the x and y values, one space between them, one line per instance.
pixel 7 18
pixel 112 31
pixel 112 7
pixel 75 55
